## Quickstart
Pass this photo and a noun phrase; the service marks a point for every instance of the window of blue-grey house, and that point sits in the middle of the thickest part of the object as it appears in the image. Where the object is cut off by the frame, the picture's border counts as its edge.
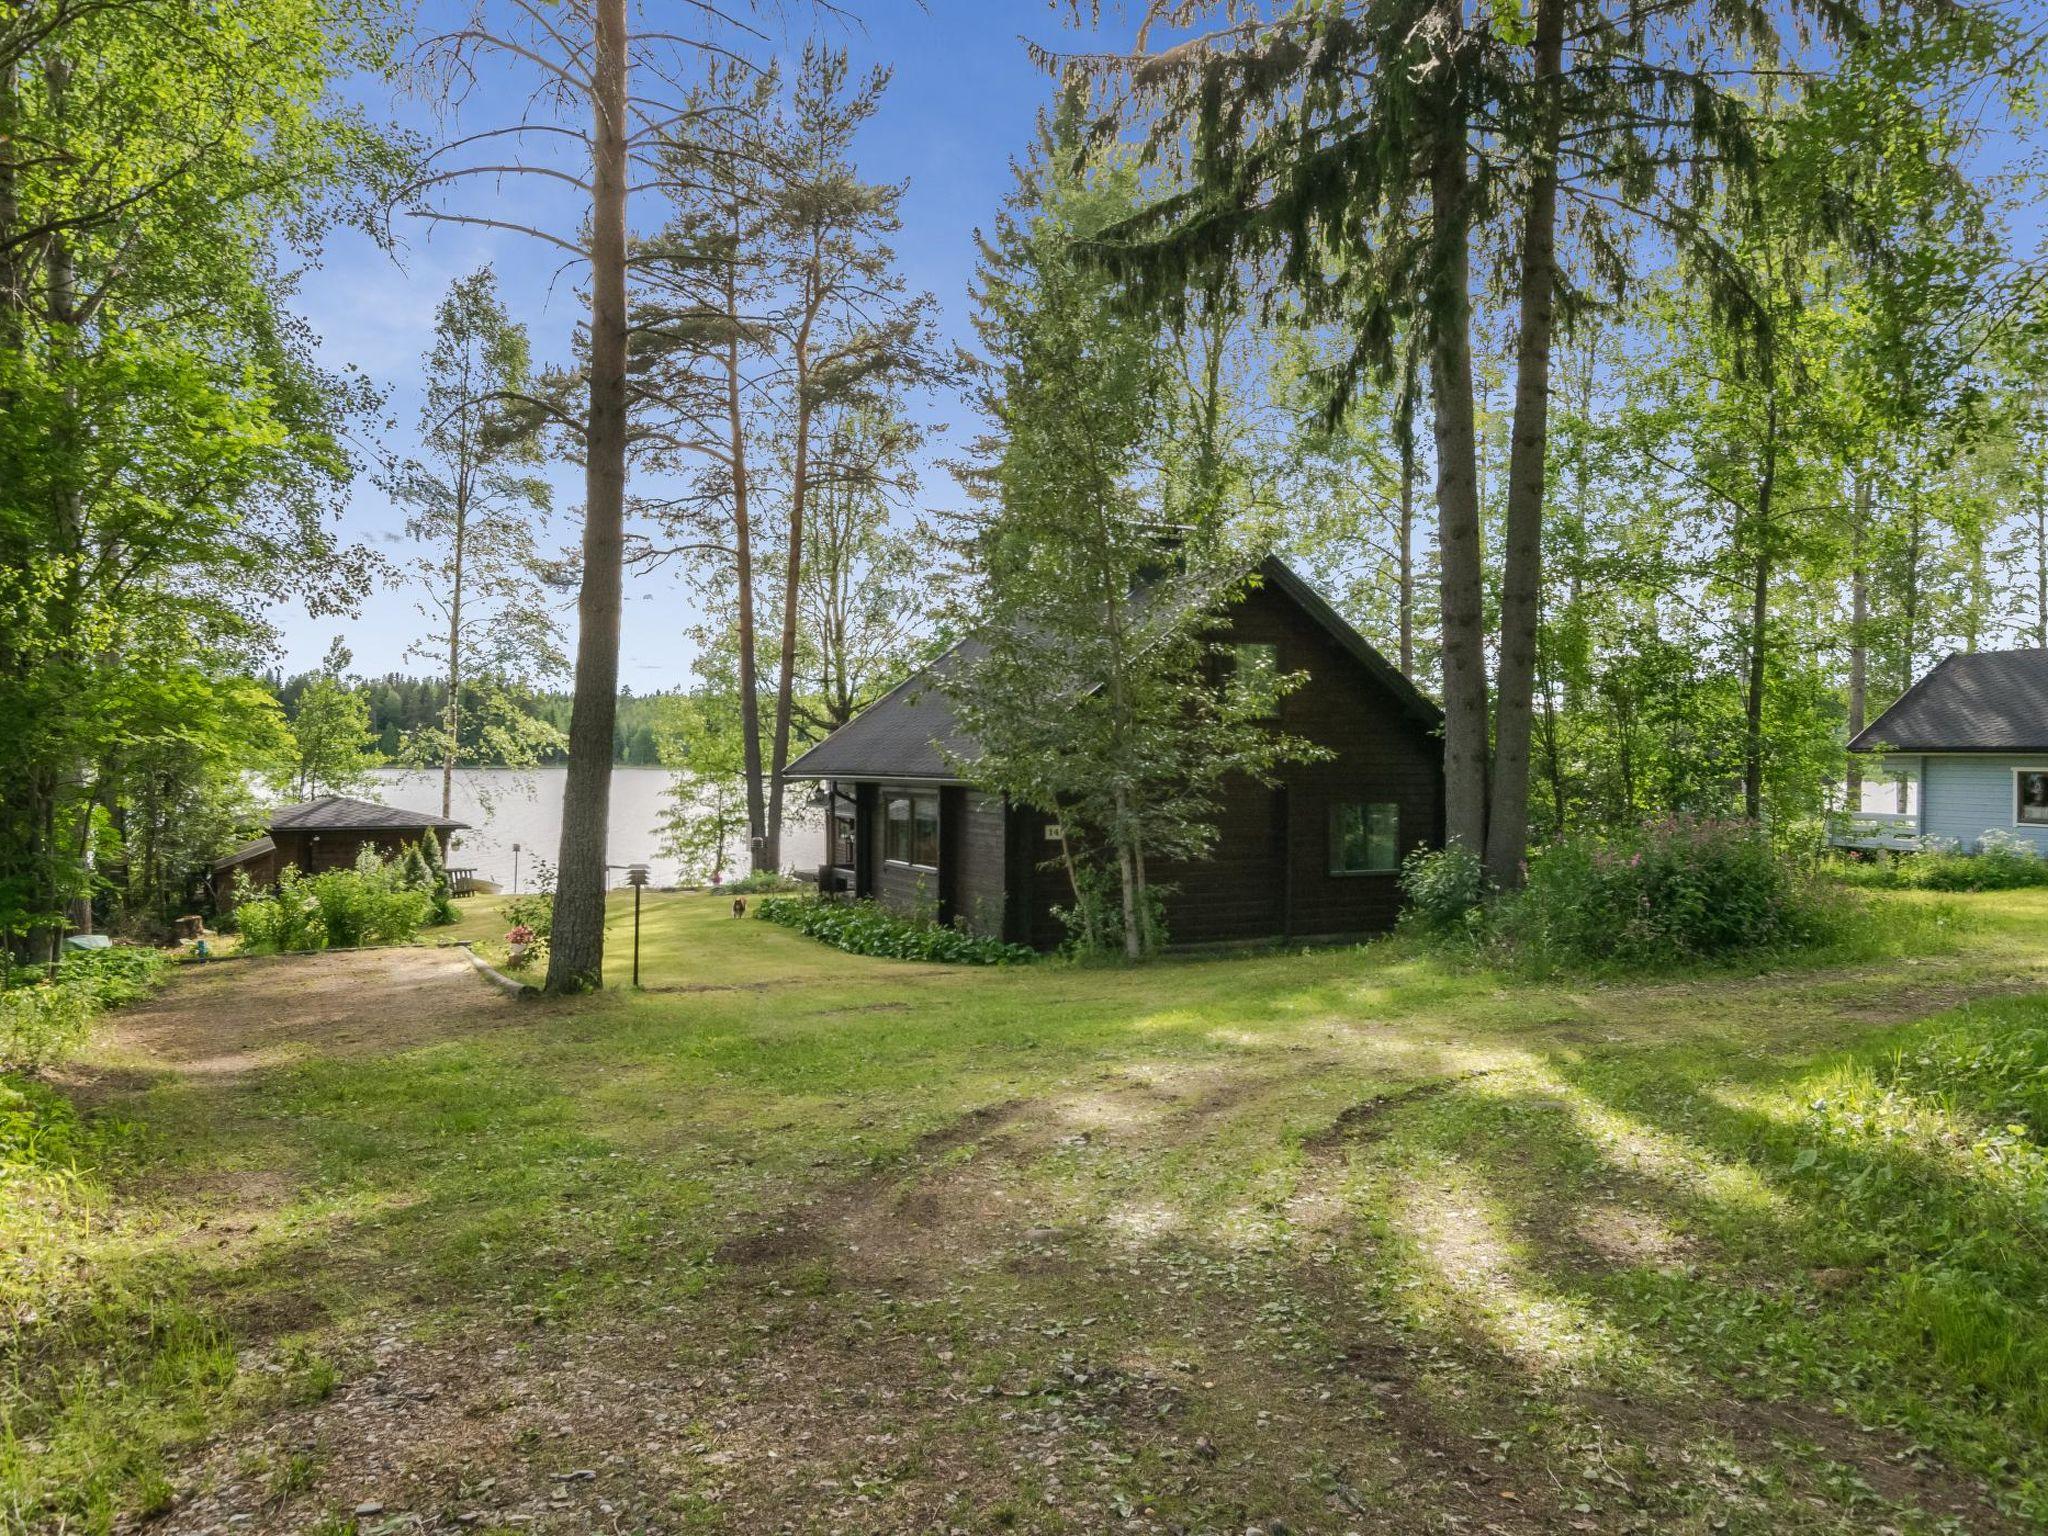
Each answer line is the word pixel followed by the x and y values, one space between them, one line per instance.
pixel 2030 797
pixel 911 830
pixel 1365 837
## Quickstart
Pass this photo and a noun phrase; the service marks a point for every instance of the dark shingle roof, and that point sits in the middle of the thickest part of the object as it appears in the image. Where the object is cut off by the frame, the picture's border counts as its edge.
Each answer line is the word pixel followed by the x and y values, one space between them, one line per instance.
pixel 345 813
pixel 1985 701
pixel 905 734
pixel 910 731
pixel 246 852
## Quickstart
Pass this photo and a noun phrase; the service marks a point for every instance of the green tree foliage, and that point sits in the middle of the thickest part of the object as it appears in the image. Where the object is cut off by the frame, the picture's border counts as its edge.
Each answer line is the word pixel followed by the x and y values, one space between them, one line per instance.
pixel 1399 163
pixel 705 827
pixel 169 452
pixel 331 749
pixel 475 511
pixel 1089 691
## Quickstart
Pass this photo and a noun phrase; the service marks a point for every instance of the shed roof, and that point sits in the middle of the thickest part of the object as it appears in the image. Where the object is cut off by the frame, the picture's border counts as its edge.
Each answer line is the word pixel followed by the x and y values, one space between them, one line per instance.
pixel 345 813
pixel 254 848
pixel 911 732
pixel 1983 701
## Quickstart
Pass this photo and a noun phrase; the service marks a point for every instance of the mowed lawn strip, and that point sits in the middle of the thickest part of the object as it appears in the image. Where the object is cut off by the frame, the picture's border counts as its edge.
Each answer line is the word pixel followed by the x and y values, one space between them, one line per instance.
pixel 797 1239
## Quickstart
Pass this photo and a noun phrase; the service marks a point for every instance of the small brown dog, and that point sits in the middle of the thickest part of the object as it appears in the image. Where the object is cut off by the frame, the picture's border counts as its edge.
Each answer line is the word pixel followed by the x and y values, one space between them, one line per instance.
pixel 739 906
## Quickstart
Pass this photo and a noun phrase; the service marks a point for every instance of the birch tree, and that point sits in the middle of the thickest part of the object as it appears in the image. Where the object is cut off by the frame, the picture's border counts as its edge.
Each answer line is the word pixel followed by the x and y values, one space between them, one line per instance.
pixel 477 507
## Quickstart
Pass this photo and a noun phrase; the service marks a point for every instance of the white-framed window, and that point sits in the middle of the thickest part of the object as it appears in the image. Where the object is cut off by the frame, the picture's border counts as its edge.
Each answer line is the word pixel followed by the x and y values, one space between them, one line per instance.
pixel 1365 837
pixel 910 829
pixel 2030 797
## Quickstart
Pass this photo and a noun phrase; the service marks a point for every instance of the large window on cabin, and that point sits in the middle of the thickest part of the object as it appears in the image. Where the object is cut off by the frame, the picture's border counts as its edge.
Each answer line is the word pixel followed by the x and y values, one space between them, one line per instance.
pixel 1365 837
pixel 911 830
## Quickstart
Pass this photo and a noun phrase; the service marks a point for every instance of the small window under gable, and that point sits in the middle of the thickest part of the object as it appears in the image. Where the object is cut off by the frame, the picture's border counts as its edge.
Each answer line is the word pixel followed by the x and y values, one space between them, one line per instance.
pixel 1365 837
pixel 1254 680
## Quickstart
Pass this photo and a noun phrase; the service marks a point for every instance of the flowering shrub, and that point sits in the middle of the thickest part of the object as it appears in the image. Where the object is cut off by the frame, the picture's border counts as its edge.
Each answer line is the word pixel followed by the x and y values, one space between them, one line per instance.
pixel 1674 891
pixel 535 912
pixel 521 935
pixel 863 928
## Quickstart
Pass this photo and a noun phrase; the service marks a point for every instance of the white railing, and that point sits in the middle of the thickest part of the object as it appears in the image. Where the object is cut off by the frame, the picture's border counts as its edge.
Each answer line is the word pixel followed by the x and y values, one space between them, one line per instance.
pixel 1896 830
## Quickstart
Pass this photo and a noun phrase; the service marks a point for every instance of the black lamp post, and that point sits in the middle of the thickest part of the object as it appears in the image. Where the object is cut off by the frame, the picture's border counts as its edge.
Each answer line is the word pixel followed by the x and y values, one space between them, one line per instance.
pixel 515 869
pixel 636 876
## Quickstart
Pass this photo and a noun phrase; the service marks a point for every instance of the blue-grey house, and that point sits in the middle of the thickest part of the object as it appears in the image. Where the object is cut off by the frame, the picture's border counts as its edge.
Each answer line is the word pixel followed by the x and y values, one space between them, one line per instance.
pixel 1974 732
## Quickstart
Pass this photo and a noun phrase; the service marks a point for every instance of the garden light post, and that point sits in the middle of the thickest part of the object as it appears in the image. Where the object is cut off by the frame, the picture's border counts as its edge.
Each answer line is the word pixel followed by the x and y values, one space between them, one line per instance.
pixel 636 876
pixel 515 869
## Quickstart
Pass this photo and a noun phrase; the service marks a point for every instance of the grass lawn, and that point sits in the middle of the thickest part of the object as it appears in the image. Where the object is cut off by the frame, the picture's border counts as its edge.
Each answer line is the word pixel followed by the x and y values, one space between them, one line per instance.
pixel 1350 1240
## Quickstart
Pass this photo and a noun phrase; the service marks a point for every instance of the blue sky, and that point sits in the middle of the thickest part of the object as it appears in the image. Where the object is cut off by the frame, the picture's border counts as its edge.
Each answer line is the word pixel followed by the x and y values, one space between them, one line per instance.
pixel 961 105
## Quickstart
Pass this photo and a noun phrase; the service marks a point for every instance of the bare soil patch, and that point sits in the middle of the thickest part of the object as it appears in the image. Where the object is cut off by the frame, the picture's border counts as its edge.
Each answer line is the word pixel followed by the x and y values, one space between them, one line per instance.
pixel 231 1019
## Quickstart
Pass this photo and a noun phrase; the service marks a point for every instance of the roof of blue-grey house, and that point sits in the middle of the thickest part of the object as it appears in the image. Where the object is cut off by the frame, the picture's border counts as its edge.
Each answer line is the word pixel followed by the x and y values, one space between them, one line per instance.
pixel 1985 701
pixel 911 732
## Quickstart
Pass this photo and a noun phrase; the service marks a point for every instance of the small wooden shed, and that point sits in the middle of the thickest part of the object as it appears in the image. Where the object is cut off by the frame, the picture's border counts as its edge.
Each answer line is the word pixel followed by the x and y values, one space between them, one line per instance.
pixel 328 833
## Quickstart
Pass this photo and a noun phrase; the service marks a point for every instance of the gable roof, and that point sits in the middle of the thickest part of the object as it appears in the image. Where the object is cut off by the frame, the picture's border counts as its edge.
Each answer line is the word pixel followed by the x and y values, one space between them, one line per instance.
pixel 1983 701
pixel 912 732
pixel 345 813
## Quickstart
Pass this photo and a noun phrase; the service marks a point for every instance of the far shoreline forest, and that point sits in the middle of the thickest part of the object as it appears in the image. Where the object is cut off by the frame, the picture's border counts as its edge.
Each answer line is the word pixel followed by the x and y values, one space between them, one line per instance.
pixel 399 706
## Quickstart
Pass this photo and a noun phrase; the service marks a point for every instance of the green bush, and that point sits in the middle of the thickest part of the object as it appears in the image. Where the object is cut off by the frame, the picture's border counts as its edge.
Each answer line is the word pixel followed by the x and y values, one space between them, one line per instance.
pixel 286 921
pixel 44 1021
pixel 2002 862
pixel 863 928
pixel 1445 889
pixel 340 909
pixel 41 1025
pixel 1672 892
pixel 762 880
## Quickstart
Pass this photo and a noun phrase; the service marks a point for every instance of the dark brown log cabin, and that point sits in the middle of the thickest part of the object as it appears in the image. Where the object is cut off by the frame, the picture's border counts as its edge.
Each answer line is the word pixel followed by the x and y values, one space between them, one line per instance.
pixel 328 833
pixel 1314 854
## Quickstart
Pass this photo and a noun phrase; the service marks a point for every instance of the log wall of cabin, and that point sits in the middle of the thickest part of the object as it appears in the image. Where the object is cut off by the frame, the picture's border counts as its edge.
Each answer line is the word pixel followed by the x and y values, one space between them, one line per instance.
pixel 1268 874
pixel 982 888
pixel 968 882
pixel 907 888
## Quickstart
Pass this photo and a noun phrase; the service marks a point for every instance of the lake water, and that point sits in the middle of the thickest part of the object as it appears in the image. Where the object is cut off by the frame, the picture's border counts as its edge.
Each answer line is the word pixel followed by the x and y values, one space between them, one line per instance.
pixel 504 806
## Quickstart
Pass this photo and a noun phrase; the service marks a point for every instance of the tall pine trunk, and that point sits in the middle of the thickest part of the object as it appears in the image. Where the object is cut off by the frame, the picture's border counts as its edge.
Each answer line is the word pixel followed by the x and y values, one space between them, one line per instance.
pixel 799 494
pixel 786 679
pixel 743 546
pixel 1521 596
pixel 576 954
pixel 1909 615
pixel 1405 547
pixel 2041 558
pixel 1457 475
pixel 1859 640
pixel 1759 619
pixel 451 718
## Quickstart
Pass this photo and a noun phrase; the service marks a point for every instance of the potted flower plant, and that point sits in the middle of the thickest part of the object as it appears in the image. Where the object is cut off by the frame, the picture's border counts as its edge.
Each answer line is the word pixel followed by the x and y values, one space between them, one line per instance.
pixel 519 941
